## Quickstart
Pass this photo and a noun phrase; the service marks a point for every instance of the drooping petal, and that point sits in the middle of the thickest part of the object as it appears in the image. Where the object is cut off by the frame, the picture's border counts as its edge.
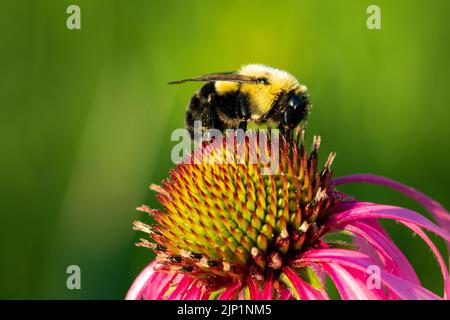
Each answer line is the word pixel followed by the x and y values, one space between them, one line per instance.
pixel 231 291
pixel 361 262
pixel 139 285
pixel 194 292
pixel 284 294
pixel 181 288
pixel 351 283
pixel 441 215
pixel 268 287
pixel 300 288
pixel 352 210
pixel 158 287
pixel 394 260
pixel 253 289
pixel 152 284
pixel 364 247
pixel 371 239
pixel 440 259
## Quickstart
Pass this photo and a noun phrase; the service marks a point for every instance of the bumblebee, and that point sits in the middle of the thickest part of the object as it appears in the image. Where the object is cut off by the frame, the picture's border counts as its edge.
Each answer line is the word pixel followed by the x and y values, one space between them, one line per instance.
pixel 256 93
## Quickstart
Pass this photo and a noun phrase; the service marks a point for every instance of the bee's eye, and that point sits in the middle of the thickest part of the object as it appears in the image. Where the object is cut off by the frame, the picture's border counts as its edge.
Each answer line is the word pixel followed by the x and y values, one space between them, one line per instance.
pixel 294 102
pixel 295 111
pixel 263 80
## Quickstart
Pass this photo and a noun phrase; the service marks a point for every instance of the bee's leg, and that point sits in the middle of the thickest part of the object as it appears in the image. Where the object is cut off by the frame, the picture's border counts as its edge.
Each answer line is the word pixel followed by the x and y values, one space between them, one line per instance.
pixel 210 121
pixel 243 112
pixel 193 114
pixel 287 134
pixel 242 125
pixel 290 138
pixel 200 110
pixel 287 125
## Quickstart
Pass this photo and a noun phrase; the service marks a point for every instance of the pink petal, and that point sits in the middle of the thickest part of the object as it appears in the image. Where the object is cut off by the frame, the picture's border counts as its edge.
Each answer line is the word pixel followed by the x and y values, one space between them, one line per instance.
pixel 360 210
pixel 361 262
pixel 365 247
pixel 181 287
pixel 351 285
pixel 351 211
pixel 435 208
pixel 151 284
pixel 139 285
pixel 230 291
pixel 371 239
pixel 253 289
pixel 158 286
pixel 284 294
pixel 441 215
pixel 194 292
pixel 303 289
pixel 268 287
pixel 438 255
pixel 394 260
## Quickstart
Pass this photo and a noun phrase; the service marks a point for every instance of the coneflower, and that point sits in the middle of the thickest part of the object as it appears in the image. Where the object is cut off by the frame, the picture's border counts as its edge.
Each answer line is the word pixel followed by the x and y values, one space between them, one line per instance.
pixel 228 231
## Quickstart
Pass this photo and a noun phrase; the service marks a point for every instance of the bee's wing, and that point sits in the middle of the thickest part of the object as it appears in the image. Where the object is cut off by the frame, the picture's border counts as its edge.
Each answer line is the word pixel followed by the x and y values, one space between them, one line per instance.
pixel 224 76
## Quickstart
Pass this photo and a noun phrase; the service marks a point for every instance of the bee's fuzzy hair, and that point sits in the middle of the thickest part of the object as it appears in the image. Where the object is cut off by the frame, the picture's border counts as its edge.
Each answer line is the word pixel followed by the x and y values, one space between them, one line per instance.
pixel 262 97
pixel 277 78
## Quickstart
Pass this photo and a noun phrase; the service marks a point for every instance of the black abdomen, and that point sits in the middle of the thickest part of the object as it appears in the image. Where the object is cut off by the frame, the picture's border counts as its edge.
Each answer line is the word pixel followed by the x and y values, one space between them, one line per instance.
pixel 212 110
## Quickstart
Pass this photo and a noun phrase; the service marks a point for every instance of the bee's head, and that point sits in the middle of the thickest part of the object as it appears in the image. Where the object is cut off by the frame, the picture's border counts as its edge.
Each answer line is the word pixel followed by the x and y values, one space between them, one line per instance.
pixel 296 109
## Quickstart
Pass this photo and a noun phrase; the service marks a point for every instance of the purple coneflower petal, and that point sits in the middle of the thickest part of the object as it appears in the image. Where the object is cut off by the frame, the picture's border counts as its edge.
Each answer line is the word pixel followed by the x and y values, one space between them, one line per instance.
pixel 366 248
pixel 393 259
pixel 267 291
pixel 409 218
pixel 181 288
pixel 438 256
pixel 351 211
pixel 303 289
pixel 194 292
pixel 231 290
pixel 441 215
pixel 253 289
pixel 139 285
pixel 285 294
pixel 159 287
pixel 371 239
pixel 351 284
pixel 361 262
pixel 435 208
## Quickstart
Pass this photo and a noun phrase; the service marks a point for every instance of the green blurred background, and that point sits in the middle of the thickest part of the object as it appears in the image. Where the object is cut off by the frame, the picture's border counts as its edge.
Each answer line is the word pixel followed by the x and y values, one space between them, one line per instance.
pixel 86 116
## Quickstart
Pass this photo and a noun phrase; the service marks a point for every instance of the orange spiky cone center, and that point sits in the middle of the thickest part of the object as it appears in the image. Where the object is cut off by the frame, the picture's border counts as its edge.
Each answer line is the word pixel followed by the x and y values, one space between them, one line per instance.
pixel 229 220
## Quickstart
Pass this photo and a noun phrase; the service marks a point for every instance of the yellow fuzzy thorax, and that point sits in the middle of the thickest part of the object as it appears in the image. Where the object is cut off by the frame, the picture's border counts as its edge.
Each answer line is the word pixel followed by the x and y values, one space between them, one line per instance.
pixel 261 96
